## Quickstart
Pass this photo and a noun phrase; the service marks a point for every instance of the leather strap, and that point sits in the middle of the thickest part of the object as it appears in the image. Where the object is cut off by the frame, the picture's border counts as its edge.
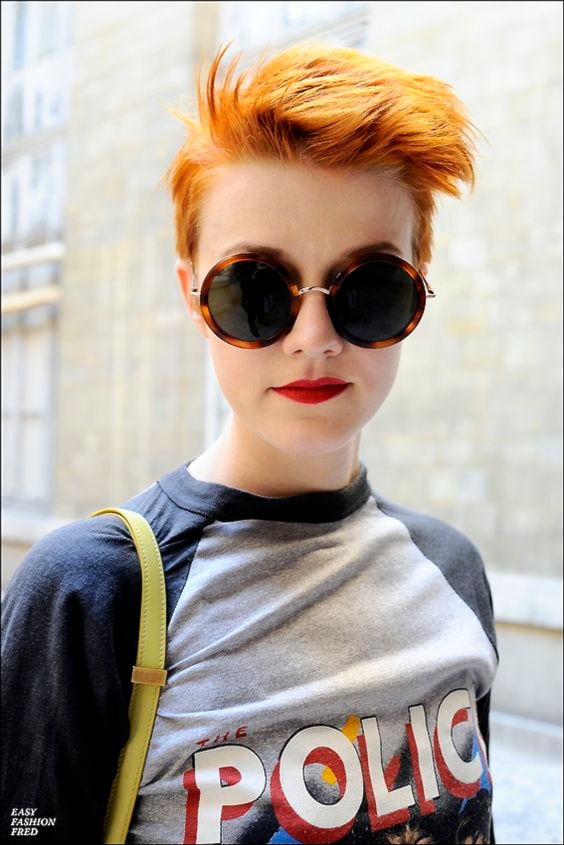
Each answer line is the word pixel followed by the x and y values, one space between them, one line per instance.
pixel 148 676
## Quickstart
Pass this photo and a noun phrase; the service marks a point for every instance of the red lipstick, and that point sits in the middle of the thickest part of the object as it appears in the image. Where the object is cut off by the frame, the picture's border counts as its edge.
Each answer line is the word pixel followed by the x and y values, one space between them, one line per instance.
pixel 311 392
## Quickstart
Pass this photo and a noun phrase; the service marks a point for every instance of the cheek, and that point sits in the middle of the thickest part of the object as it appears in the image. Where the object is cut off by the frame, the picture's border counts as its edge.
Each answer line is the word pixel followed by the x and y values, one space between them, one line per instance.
pixel 380 367
pixel 237 370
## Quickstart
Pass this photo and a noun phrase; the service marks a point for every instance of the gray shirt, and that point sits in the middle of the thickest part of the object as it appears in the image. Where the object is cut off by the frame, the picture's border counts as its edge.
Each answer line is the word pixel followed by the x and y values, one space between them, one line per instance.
pixel 323 680
pixel 329 659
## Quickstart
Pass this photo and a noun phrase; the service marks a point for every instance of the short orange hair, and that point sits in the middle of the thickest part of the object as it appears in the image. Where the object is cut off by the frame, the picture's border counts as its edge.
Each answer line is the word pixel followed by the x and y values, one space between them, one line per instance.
pixel 331 107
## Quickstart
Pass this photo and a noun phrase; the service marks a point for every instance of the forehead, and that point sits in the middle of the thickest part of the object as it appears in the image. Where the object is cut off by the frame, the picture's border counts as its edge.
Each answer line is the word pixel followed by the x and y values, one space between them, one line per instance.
pixel 311 214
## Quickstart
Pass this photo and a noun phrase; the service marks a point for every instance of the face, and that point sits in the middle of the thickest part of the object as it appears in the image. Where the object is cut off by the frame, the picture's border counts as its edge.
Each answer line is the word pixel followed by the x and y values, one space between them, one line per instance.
pixel 314 219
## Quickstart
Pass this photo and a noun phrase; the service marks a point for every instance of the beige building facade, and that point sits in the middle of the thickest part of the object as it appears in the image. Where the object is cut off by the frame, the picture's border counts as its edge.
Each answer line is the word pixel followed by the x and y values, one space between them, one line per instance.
pixel 107 386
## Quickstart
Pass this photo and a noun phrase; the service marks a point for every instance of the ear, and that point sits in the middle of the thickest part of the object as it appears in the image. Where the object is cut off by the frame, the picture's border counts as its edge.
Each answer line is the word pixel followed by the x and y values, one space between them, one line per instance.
pixel 185 275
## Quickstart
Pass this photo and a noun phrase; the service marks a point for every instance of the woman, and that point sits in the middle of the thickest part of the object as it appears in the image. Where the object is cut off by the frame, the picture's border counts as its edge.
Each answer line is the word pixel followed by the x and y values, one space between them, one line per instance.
pixel 330 654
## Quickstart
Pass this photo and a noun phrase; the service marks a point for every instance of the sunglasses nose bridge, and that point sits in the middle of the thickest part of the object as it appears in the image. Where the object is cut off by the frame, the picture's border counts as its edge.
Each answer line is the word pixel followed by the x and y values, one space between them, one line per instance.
pixel 310 328
pixel 308 289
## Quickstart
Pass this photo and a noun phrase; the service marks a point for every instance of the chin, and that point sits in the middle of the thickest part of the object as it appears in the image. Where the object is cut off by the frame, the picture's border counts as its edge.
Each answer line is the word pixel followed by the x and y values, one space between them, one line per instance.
pixel 312 440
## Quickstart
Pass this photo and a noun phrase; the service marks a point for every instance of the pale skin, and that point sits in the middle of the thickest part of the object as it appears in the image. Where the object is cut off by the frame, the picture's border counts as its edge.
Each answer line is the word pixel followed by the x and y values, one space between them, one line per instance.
pixel 272 446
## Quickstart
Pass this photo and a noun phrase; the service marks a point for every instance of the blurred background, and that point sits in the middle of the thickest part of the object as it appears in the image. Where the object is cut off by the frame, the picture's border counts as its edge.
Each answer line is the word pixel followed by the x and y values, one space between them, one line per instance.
pixel 106 386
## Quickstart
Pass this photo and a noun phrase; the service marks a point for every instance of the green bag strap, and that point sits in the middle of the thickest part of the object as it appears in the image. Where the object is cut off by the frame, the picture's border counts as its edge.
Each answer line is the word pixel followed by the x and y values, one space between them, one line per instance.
pixel 148 676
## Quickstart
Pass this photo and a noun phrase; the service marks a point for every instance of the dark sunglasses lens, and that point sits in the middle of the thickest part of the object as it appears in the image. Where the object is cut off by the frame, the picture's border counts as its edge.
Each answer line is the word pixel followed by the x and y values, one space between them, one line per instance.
pixel 376 301
pixel 249 300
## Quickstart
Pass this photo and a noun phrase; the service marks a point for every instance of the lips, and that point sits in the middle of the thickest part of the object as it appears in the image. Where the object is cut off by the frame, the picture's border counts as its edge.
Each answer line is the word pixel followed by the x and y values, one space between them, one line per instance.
pixel 311 392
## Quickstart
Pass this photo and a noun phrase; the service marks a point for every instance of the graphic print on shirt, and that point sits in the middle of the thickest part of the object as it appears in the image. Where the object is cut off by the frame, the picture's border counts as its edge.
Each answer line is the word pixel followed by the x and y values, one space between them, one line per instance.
pixel 283 634
pixel 334 785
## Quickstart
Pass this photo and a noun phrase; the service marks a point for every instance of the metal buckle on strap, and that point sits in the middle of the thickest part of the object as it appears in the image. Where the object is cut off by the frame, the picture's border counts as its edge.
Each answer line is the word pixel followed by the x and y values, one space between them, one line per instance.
pixel 151 677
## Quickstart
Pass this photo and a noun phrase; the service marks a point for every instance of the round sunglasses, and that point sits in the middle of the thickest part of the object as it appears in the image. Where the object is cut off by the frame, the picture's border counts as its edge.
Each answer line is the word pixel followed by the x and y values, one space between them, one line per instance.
pixel 251 301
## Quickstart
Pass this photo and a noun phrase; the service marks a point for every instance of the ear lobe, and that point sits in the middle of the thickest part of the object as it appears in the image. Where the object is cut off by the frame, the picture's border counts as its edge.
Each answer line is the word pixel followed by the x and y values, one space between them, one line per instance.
pixel 185 275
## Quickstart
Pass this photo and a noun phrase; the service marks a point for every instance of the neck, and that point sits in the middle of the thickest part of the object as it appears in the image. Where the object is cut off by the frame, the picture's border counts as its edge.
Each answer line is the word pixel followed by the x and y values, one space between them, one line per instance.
pixel 241 459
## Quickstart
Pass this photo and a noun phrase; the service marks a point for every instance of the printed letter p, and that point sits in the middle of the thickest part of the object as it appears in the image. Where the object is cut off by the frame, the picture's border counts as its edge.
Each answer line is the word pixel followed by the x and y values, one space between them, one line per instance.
pixel 224 784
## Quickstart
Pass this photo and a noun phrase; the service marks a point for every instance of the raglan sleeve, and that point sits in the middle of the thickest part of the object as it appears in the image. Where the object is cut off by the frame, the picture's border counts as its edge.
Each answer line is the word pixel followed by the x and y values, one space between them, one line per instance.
pixel 69 638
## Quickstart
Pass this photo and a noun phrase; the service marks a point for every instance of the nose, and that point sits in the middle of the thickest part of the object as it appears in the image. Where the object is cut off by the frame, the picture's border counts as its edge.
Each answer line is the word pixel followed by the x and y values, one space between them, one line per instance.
pixel 313 334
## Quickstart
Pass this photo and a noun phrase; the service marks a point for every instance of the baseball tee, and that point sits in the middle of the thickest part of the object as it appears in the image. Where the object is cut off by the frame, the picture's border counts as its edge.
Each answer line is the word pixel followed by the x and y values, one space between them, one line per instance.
pixel 329 655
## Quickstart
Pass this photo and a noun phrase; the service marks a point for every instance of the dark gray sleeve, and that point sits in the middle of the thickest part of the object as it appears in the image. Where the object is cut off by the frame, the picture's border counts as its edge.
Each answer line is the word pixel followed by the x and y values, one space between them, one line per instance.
pixel 69 639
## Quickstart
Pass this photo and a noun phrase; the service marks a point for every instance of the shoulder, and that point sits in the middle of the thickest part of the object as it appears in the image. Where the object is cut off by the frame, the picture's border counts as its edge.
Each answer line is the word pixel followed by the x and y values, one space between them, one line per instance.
pixel 453 553
pixel 72 610
pixel 441 542
pixel 94 563
pixel 91 562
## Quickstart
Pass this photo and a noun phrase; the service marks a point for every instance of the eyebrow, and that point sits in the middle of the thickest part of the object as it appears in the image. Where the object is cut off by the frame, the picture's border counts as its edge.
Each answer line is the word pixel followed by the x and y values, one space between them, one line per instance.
pixel 282 255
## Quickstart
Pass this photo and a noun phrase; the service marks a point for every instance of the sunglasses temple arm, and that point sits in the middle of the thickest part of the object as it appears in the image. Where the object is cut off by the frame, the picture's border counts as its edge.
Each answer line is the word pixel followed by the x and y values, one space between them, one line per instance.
pixel 429 292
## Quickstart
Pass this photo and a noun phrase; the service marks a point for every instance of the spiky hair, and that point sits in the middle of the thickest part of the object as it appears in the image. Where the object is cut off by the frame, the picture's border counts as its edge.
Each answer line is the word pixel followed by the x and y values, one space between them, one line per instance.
pixel 334 108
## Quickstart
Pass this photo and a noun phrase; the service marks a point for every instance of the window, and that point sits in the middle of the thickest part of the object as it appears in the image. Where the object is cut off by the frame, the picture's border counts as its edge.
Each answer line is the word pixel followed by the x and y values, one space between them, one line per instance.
pixel 13 125
pixel 28 368
pixel 38 112
pixel 47 35
pixel 10 210
pixel 33 196
pixel 54 27
pixel 20 36
pixel 34 100
pixel 27 401
pixel 41 195
pixel 253 25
